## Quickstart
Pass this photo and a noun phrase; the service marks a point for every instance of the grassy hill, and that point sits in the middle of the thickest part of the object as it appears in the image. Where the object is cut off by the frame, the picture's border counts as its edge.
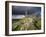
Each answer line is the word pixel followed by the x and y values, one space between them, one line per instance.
pixel 27 23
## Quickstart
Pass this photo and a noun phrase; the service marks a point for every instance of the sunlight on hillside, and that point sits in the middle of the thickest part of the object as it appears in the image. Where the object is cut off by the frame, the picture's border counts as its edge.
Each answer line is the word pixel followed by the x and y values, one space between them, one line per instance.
pixel 26 23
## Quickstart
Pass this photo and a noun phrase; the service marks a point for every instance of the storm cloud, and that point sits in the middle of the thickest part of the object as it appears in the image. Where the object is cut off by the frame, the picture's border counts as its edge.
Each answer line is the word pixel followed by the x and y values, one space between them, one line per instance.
pixel 20 10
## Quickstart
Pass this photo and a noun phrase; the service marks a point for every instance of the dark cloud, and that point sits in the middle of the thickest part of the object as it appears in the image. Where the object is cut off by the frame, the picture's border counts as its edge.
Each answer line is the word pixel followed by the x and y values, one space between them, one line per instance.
pixel 20 10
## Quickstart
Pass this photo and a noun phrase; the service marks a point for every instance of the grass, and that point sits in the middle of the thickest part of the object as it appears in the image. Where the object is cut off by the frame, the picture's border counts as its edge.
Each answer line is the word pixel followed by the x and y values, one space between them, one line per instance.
pixel 26 23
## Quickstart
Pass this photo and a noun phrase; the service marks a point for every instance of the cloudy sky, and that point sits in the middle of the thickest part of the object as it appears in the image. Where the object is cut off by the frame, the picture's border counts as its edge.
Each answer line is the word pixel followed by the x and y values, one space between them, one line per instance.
pixel 20 10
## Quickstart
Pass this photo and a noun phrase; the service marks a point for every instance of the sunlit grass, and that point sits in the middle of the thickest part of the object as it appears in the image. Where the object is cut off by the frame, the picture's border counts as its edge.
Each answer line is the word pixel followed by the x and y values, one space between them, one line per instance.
pixel 26 23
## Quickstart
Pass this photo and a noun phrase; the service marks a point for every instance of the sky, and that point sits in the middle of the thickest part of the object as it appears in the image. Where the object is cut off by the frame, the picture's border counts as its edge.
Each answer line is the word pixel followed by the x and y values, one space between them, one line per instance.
pixel 20 10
